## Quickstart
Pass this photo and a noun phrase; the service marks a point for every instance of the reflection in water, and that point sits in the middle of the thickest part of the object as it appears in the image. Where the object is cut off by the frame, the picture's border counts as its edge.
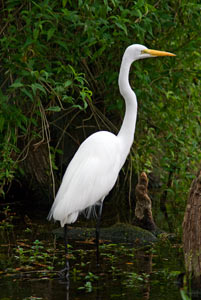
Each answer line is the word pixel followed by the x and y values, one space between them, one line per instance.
pixel 105 288
pixel 144 262
pixel 66 285
pixel 68 291
pixel 112 280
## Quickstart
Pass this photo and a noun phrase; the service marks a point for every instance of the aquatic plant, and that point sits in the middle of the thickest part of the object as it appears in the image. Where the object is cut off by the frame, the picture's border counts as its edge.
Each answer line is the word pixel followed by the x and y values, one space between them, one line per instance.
pixel 90 279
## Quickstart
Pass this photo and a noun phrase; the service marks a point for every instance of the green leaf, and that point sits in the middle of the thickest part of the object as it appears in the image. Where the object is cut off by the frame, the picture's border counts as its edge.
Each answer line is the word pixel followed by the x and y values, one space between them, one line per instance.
pixel 27 93
pixel 2 120
pixel 35 34
pixel 64 3
pixel 184 295
pixel 67 83
pixel 37 86
pixel 50 33
pixel 16 84
pixel 34 122
pixel 62 44
pixel 44 74
pixel 54 108
pixel 122 26
pixel 140 3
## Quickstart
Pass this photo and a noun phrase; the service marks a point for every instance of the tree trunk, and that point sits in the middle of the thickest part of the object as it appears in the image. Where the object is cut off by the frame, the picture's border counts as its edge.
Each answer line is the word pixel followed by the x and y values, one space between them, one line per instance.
pixel 192 234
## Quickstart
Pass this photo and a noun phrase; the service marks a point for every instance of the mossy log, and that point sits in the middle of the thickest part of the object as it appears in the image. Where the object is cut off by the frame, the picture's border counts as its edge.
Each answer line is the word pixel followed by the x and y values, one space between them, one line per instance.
pixel 118 233
pixel 192 234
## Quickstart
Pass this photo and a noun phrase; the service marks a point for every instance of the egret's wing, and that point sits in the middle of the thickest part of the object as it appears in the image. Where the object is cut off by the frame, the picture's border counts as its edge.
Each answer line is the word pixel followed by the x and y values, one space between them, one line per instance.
pixel 89 177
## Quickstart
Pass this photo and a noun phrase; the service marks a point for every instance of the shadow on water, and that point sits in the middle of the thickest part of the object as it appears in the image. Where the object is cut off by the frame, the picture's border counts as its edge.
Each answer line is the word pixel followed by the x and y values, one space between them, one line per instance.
pixel 30 259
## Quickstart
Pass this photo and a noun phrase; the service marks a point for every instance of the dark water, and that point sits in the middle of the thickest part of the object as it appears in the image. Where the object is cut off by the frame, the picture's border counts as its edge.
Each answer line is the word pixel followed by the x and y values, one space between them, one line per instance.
pixel 124 273
pixel 52 289
pixel 146 276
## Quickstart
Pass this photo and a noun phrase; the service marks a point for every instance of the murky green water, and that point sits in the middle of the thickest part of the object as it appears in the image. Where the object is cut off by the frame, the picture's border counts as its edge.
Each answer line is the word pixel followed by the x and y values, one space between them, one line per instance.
pixel 145 276
pixel 52 289
pixel 30 258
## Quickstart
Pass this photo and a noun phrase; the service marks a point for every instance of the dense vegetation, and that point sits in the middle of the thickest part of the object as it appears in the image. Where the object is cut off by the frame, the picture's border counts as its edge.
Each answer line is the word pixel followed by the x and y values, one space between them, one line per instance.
pixel 60 62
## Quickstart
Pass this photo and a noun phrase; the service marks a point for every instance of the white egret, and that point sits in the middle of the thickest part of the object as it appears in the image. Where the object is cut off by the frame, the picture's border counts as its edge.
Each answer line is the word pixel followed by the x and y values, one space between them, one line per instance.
pixel 94 169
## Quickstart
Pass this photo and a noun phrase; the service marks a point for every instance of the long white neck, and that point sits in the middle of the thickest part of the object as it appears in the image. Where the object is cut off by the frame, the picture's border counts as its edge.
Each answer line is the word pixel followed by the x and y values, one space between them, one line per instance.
pixel 127 130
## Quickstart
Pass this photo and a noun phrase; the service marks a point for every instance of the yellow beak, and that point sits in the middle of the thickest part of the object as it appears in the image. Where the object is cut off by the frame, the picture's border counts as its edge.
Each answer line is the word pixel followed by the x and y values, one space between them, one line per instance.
pixel 157 53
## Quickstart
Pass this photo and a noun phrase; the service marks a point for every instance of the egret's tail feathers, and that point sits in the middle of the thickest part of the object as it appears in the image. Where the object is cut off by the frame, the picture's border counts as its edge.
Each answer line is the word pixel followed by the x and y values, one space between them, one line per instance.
pixel 91 211
pixel 71 218
pixel 59 216
pixel 49 217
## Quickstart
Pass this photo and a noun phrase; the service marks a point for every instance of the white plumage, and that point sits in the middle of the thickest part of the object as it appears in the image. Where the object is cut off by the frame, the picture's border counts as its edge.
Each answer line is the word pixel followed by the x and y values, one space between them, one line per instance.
pixel 94 168
pixel 89 177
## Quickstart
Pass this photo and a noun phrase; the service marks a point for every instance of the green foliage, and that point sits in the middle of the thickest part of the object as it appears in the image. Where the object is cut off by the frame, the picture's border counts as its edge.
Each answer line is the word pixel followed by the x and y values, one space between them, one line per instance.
pixel 184 296
pixel 38 78
pixel 6 223
pixel 58 56
pixel 88 286
pixel 35 254
pixel 121 265
pixel 133 278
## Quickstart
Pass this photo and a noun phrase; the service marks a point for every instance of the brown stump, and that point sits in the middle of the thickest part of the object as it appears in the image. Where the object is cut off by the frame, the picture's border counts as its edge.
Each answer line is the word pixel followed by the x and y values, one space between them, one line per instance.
pixel 192 234
pixel 143 212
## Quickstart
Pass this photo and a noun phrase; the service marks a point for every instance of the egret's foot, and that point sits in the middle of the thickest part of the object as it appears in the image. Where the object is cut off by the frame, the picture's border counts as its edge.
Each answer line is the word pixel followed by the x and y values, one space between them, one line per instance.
pixel 64 274
pixel 64 278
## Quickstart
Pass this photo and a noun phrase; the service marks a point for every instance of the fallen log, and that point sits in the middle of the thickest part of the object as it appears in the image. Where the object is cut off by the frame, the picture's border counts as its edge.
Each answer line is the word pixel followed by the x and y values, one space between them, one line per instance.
pixel 118 233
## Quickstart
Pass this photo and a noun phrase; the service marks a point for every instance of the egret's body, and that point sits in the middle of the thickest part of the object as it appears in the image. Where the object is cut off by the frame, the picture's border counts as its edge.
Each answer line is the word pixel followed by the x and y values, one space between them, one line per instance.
pixel 89 177
pixel 94 168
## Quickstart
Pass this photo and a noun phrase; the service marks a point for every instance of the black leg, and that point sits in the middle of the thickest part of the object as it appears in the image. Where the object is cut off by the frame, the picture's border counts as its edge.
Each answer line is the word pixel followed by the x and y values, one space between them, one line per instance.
pixel 65 272
pixel 98 233
pixel 66 252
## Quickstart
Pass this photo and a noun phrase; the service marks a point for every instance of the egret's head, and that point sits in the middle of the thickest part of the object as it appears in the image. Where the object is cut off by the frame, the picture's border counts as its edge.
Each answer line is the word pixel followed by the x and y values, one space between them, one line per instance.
pixel 137 51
